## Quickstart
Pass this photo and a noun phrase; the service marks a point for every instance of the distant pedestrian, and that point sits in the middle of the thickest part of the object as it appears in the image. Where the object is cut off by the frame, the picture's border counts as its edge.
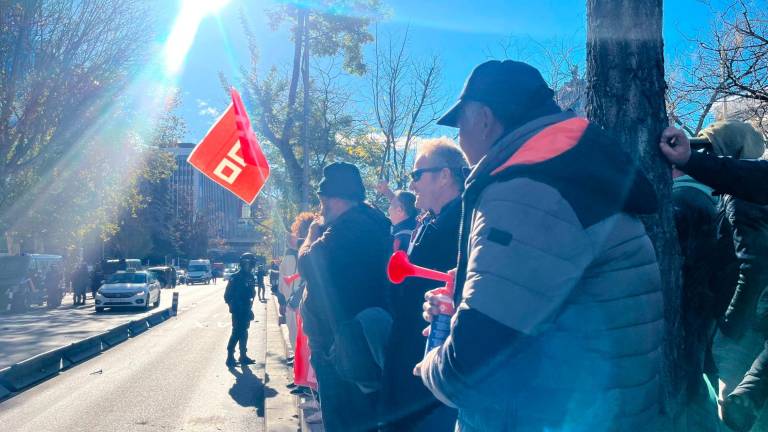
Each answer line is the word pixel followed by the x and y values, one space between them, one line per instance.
pixel 96 279
pixel 239 296
pixel 53 286
pixel 260 273
pixel 402 213
pixel 80 284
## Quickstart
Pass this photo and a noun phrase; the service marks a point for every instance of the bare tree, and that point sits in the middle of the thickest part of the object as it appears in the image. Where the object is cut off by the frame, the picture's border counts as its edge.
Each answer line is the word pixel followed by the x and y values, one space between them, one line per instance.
pixel 406 100
pixel 727 74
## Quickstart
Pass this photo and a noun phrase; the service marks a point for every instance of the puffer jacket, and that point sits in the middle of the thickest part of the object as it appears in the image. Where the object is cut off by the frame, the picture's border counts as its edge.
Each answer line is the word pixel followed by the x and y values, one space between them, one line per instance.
pixel 556 269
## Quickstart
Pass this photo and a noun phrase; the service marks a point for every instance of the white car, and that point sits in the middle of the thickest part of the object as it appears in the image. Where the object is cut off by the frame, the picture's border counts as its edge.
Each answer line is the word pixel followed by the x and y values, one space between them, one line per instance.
pixel 228 272
pixel 128 289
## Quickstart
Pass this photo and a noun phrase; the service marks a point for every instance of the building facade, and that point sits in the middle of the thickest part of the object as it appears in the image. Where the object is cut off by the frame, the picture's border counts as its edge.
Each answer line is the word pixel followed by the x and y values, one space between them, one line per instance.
pixel 195 195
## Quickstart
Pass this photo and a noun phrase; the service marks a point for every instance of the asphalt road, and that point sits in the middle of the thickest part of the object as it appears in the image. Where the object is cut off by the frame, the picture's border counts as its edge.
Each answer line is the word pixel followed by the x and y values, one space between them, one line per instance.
pixel 170 378
pixel 25 335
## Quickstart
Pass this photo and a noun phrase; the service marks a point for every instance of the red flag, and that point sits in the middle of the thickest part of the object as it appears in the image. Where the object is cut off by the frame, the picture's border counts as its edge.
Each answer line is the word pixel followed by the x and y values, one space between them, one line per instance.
pixel 221 158
pixel 248 142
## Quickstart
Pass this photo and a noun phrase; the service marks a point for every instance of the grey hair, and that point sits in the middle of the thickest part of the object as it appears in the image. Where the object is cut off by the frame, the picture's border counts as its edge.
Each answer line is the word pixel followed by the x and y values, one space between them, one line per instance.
pixel 445 152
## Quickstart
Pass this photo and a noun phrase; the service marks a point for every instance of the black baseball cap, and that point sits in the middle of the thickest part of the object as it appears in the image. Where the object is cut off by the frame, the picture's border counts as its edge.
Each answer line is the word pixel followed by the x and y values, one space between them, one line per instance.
pixel 509 88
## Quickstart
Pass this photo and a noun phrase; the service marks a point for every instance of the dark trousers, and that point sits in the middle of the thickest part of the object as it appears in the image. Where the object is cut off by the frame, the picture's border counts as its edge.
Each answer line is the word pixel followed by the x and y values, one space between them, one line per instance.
pixel 239 334
pixel 345 408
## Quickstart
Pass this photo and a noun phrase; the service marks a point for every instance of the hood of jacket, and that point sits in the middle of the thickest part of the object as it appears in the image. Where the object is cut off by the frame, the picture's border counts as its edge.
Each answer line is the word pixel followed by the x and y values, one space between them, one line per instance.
pixel 578 159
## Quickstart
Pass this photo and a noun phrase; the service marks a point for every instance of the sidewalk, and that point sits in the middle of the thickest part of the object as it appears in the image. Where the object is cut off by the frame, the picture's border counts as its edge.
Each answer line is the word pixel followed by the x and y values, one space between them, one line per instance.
pixel 280 374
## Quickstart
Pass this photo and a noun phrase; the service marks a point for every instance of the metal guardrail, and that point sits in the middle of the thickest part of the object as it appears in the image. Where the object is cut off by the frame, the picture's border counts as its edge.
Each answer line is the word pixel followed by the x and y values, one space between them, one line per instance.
pixel 27 373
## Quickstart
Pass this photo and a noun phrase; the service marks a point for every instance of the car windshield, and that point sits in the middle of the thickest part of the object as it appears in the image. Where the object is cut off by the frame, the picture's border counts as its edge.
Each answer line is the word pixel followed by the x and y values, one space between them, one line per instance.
pixel 127 278
pixel 198 268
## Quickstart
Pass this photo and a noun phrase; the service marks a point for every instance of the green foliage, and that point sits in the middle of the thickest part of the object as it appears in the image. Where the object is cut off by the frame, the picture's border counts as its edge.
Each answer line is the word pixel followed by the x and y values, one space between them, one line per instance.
pixel 336 27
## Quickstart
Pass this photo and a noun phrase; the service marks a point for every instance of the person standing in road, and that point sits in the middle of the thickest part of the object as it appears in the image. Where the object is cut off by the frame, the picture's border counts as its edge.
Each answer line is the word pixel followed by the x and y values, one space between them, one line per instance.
pixel 53 286
pixel 260 283
pixel 96 280
pixel 80 284
pixel 239 296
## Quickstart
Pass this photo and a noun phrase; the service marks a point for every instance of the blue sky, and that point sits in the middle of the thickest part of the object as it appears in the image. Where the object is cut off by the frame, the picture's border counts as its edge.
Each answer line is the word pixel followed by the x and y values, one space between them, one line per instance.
pixel 462 33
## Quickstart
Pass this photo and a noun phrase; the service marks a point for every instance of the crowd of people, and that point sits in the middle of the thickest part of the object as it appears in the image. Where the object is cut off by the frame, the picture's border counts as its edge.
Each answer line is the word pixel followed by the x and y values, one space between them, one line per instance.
pixel 559 314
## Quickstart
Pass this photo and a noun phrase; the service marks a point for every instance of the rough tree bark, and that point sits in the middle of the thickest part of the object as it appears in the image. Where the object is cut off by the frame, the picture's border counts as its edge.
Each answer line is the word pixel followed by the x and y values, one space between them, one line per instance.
pixel 306 113
pixel 625 95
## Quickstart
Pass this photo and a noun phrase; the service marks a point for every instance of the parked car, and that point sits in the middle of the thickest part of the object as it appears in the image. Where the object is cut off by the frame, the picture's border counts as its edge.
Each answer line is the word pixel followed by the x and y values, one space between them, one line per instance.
pixel 166 275
pixel 128 289
pixel 181 276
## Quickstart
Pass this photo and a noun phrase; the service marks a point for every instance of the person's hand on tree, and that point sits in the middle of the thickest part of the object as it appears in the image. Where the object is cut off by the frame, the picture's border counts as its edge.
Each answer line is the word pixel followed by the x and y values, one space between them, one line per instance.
pixel 675 146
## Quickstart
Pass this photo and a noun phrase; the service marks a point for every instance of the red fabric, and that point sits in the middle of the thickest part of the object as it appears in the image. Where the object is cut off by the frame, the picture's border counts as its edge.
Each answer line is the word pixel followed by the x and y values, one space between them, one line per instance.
pixel 220 157
pixel 252 154
pixel 550 142
pixel 303 374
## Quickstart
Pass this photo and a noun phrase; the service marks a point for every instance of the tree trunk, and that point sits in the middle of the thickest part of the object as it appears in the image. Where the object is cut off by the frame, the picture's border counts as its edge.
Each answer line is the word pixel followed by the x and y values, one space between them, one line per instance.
pixel 625 95
pixel 305 195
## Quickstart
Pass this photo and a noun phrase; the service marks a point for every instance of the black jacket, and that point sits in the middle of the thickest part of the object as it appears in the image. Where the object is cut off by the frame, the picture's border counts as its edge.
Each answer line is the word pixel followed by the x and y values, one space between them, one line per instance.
pixel 745 179
pixel 345 271
pixel 696 222
pixel 239 294
pixel 749 305
pixel 402 234
pixel 435 245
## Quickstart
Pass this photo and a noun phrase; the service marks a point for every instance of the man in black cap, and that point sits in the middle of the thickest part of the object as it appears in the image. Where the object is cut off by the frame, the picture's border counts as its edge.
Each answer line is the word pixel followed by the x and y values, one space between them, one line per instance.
pixel 559 318
pixel 343 261
pixel 239 294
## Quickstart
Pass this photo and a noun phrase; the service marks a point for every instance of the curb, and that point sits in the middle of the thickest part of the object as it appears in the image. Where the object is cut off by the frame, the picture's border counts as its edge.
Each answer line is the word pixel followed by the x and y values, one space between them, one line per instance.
pixel 138 326
pixel 116 335
pixel 83 350
pixel 281 411
pixel 29 372
pixel 32 370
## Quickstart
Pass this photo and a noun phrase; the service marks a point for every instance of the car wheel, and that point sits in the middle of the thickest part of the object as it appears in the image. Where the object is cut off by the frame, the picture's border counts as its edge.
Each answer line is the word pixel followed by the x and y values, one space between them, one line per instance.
pixel 157 302
pixel 146 302
pixel 99 309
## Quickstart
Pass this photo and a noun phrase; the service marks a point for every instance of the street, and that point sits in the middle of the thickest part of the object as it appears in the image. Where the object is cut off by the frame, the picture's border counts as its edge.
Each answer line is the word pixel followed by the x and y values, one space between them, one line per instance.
pixel 172 377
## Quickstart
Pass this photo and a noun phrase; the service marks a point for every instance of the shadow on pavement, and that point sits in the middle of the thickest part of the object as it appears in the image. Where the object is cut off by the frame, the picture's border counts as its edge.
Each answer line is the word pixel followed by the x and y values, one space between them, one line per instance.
pixel 248 390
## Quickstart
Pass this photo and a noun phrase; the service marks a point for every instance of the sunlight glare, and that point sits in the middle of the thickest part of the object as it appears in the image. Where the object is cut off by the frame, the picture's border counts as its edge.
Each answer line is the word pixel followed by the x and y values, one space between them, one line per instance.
pixel 184 29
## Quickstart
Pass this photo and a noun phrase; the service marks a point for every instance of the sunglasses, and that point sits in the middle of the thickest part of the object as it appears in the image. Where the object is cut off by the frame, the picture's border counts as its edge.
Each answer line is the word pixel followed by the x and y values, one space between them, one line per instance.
pixel 416 174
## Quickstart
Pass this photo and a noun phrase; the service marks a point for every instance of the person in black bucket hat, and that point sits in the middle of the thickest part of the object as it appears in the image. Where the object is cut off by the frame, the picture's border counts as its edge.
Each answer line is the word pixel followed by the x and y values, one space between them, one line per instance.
pixel 344 262
pixel 342 180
